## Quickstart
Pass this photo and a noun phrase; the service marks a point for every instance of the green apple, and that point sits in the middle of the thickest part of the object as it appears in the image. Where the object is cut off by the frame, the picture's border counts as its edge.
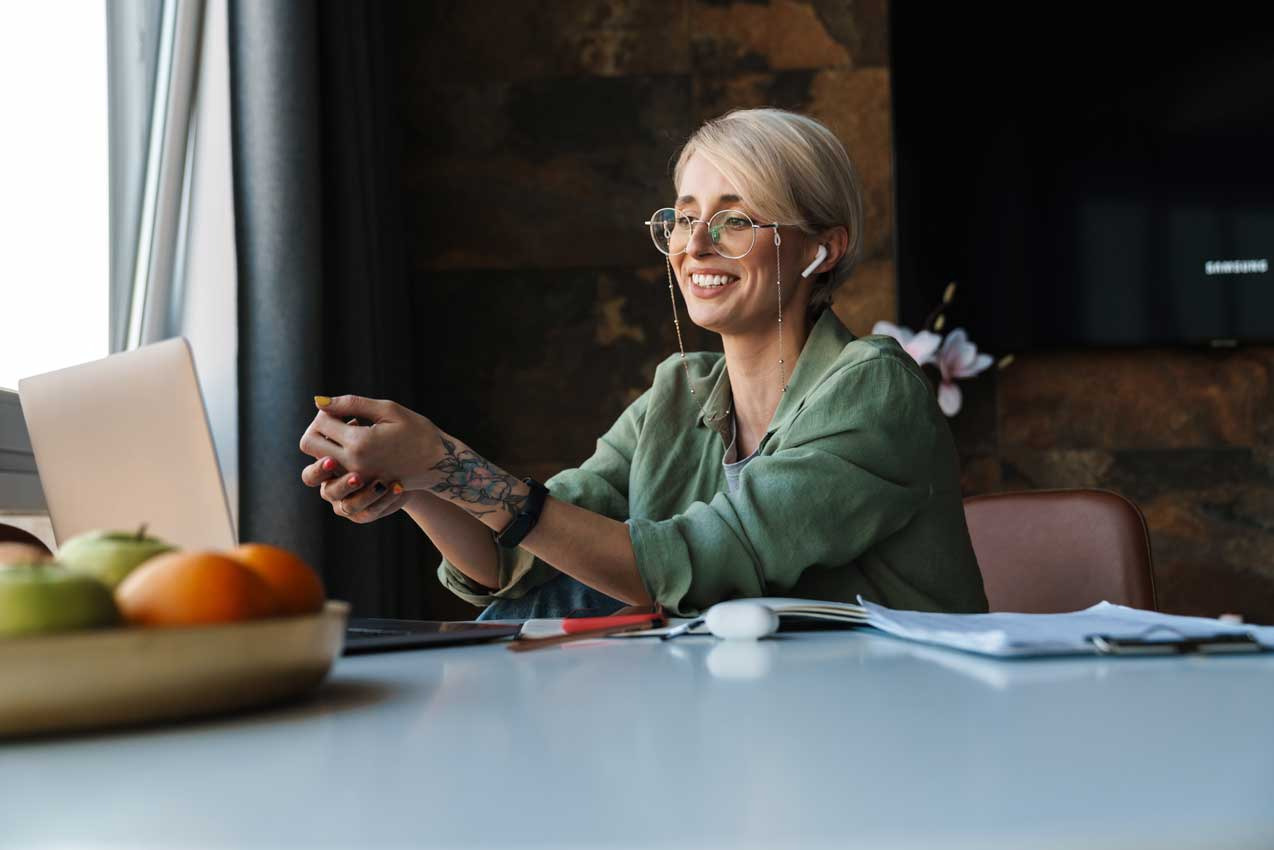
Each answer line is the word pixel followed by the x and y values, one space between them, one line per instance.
pixel 51 598
pixel 109 556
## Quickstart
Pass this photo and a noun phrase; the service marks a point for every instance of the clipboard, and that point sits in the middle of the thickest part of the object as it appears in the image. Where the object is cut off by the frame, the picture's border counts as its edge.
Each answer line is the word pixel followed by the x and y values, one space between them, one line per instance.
pixel 1143 644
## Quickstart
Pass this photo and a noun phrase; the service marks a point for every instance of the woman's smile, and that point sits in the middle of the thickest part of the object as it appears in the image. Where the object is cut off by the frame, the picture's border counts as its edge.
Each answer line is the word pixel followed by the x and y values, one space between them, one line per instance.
pixel 710 283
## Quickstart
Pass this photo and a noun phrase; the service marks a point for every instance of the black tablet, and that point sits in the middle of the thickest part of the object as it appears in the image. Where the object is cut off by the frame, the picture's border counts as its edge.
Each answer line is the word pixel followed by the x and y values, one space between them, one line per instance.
pixel 374 634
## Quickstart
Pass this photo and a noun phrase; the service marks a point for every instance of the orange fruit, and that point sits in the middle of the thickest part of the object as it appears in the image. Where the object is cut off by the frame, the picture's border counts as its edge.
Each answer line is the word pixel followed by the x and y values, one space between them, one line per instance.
pixel 189 588
pixel 294 582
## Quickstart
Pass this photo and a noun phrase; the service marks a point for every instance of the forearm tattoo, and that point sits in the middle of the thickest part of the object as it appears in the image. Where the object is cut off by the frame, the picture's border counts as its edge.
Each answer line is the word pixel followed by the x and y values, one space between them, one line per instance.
pixel 475 483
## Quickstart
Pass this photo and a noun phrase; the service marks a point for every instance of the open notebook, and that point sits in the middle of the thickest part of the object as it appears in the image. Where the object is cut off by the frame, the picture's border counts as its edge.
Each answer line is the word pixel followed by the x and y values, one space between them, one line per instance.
pixel 793 614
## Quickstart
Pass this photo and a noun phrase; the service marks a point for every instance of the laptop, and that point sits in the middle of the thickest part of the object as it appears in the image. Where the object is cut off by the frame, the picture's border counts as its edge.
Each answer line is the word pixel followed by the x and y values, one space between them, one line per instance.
pixel 125 441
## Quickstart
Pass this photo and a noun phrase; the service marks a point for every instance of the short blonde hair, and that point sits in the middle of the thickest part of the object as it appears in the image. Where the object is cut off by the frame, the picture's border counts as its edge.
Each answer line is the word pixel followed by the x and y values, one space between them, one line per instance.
pixel 791 169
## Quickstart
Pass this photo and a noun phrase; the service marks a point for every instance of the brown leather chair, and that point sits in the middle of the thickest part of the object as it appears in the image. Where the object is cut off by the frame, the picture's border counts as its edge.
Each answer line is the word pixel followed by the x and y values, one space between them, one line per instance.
pixel 1049 551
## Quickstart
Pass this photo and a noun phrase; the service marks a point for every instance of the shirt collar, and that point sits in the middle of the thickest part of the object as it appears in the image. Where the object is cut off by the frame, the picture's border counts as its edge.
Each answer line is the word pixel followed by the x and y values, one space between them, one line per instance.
pixel 713 391
pixel 827 339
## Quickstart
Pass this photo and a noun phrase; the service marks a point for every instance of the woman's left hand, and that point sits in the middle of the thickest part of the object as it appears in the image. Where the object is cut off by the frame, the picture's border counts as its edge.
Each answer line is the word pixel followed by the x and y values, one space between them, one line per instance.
pixel 400 445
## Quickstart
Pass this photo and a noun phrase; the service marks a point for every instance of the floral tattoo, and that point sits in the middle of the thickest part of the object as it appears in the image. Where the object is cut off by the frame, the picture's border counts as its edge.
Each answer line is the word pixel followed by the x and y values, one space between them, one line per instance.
pixel 470 479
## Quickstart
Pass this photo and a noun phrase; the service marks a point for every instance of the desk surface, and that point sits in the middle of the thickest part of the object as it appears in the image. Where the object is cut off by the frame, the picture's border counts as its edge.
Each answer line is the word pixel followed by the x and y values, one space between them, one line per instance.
pixel 809 740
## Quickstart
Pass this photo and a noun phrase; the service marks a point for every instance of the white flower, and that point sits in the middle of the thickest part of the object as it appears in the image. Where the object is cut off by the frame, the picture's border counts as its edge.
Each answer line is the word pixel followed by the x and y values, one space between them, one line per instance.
pixel 958 358
pixel 920 346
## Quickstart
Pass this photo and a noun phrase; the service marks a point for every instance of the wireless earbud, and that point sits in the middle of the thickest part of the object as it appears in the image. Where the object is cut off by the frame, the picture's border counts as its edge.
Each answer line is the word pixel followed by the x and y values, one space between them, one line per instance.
pixel 818 261
pixel 741 619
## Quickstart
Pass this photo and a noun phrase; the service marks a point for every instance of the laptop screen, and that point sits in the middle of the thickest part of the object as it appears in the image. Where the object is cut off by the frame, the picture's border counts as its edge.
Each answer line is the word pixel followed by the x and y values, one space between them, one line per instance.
pixel 124 441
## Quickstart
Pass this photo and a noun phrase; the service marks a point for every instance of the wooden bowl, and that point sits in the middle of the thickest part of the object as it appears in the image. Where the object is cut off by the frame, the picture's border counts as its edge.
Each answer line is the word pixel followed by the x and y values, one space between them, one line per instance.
pixel 131 675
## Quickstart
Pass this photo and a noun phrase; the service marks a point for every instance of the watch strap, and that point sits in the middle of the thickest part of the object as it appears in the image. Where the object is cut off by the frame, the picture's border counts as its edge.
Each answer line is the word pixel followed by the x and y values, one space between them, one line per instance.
pixel 526 519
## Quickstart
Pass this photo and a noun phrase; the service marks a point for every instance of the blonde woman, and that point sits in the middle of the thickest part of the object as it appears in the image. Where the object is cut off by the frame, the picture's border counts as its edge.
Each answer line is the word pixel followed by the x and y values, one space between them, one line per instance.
pixel 801 462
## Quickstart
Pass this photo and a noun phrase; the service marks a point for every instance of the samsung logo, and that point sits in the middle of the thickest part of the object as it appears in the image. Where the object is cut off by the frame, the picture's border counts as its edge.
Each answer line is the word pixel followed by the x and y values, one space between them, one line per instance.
pixel 1236 266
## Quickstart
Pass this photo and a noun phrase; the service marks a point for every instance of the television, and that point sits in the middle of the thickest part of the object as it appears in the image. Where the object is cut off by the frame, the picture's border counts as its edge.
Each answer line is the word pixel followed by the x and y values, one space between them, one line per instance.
pixel 1088 175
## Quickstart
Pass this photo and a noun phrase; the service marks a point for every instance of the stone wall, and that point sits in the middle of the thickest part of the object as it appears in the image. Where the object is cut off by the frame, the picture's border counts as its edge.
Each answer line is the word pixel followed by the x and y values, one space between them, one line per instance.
pixel 539 136
pixel 1185 434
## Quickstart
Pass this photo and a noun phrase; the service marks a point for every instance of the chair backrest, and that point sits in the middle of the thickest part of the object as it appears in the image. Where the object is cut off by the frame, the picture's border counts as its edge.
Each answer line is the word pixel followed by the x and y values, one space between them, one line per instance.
pixel 1049 551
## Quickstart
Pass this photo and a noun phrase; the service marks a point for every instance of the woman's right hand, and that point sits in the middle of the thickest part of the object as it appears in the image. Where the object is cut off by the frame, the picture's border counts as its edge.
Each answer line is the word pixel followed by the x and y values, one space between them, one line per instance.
pixel 350 497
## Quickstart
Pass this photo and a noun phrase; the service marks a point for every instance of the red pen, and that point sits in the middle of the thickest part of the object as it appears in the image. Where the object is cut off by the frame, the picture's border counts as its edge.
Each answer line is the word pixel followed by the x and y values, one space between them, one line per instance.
pixel 575 625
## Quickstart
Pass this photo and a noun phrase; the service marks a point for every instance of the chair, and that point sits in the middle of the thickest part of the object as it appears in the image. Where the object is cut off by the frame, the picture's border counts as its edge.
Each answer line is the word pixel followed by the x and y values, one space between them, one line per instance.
pixel 1049 551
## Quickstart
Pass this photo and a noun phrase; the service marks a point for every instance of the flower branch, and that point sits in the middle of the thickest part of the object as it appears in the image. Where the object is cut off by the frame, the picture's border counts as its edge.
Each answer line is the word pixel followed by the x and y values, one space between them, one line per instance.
pixel 956 357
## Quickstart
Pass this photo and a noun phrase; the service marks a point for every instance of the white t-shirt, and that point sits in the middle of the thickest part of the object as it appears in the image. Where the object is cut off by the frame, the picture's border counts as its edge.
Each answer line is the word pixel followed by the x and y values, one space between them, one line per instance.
pixel 733 467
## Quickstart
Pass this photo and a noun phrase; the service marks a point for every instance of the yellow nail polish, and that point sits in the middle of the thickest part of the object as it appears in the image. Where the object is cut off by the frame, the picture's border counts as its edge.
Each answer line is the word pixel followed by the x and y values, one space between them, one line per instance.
pixel 396 487
pixel 322 400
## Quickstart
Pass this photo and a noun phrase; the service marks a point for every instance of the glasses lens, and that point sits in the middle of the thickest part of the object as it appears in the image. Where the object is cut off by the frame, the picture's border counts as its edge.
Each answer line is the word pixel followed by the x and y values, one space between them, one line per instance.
pixel 670 231
pixel 732 233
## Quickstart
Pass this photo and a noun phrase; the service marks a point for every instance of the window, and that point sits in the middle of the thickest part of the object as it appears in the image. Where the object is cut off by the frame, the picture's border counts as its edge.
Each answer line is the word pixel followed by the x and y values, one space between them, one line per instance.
pixel 54 232
pixel 54 257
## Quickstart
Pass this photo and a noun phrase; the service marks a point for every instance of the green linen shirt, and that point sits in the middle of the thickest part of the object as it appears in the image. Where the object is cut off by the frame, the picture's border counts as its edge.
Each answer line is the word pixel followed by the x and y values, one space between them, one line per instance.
pixel 855 488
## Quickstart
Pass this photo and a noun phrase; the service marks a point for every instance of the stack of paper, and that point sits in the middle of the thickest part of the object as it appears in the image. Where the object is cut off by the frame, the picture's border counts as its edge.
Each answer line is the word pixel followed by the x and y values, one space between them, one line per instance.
pixel 1016 635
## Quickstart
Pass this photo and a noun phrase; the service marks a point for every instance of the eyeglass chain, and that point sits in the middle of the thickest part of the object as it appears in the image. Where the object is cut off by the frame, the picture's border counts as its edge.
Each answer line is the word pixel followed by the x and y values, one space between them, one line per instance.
pixel 778 272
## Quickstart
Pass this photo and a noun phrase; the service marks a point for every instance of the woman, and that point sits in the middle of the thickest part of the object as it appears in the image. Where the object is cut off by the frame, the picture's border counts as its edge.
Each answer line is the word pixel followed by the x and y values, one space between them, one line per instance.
pixel 802 462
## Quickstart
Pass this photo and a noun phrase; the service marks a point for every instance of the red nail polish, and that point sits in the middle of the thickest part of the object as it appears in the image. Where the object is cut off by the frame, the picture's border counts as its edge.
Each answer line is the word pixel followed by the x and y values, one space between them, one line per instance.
pixel 328 464
pixel 352 481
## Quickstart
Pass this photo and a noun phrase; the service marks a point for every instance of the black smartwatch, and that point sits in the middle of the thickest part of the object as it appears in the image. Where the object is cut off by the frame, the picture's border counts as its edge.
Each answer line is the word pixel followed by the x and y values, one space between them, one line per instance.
pixel 526 519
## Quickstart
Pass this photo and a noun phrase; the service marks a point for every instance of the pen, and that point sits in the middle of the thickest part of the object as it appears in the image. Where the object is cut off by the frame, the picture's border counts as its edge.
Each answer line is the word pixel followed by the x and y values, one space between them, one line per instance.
pixel 682 629
pixel 574 625
pixel 522 644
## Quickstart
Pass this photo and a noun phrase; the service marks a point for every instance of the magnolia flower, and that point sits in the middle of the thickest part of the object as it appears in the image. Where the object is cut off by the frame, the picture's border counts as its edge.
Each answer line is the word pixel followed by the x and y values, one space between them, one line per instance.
pixel 958 358
pixel 920 346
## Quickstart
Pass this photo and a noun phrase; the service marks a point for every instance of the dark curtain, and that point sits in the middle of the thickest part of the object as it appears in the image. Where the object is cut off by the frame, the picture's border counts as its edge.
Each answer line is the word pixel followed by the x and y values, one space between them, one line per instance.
pixel 326 302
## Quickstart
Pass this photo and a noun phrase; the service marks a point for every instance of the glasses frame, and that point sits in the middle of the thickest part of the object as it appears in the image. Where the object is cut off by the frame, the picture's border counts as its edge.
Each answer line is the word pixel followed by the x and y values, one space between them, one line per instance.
pixel 654 220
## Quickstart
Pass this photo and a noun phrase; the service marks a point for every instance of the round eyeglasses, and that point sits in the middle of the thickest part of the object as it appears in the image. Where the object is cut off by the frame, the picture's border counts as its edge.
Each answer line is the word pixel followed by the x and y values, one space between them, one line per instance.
pixel 731 232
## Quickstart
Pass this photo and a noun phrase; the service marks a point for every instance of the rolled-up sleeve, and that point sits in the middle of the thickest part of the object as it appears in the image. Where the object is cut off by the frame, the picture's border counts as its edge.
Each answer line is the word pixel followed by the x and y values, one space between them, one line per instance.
pixel 852 467
pixel 599 484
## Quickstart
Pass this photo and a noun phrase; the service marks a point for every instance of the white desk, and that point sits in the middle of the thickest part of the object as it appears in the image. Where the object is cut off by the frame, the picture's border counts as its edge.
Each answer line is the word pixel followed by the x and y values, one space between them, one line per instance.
pixel 638 743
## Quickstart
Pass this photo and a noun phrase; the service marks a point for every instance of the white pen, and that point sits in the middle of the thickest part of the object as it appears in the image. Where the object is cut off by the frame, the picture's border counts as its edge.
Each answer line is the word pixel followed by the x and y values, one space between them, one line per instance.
pixel 682 629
